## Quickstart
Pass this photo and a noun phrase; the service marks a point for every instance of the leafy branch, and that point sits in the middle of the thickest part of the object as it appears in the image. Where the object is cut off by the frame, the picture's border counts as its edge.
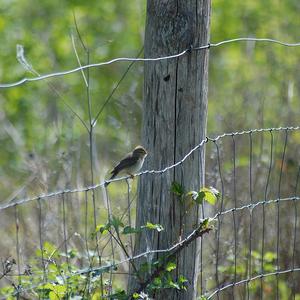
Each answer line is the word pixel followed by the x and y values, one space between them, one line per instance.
pixel 204 227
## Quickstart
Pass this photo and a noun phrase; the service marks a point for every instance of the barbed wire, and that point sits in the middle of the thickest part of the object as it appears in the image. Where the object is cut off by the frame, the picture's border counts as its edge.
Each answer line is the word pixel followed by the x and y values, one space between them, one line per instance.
pixel 161 171
pixel 137 59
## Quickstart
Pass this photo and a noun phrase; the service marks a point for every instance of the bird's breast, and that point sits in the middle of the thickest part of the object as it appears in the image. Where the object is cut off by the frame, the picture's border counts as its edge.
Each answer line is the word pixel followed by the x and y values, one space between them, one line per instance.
pixel 137 166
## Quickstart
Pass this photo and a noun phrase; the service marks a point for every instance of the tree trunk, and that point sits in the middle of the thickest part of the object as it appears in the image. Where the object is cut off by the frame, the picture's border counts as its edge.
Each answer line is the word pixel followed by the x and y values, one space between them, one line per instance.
pixel 174 121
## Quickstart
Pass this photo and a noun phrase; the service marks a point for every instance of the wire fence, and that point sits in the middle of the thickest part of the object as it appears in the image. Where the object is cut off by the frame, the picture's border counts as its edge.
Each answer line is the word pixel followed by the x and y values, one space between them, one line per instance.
pixel 252 252
pixel 251 220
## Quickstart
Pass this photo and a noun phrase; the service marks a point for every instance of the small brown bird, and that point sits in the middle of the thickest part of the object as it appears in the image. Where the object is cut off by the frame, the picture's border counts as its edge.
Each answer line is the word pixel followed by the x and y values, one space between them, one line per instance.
pixel 130 164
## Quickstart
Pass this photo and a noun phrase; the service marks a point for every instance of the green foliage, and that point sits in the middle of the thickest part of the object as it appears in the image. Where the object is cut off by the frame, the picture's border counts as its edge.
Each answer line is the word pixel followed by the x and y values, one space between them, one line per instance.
pixel 61 276
pixel 130 230
pixel 151 226
pixel 119 295
pixel 53 291
pixel 210 195
pixel 170 266
pixel 116 224
pixel 101 228
pixel 177 188
pixel 165 280
pixel 7 292
pixel 66 280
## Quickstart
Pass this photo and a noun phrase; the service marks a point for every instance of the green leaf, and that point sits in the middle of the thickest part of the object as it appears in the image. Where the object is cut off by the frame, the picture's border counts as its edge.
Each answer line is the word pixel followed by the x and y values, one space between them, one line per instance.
pixel 59 290
pixel 173 285
pixel 48 250
pixel 119 295
pixel 209 195
pixel 182 279
pixel 205 222
pixel 129 230
pixel 170 266
pixel 177 188
pixel 151 226
pixel 157 281
pixel 270 256
pixel 101 228
pixel 256 255
pixel 116 223
pixel 7 291
pixel 72 253
pixel 200 198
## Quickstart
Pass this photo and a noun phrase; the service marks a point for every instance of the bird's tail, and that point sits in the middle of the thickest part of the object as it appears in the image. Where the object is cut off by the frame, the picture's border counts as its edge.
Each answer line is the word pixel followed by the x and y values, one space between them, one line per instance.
pixel 111 177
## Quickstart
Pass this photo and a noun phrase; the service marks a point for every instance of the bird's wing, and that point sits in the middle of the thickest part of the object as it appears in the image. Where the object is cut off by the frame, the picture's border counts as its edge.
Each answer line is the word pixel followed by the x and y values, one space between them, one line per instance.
pixel 126 162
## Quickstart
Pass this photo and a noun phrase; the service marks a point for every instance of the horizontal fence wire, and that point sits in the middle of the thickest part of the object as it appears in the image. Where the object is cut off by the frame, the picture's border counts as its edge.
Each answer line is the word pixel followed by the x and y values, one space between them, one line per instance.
pixel 137 59
pixel 161 171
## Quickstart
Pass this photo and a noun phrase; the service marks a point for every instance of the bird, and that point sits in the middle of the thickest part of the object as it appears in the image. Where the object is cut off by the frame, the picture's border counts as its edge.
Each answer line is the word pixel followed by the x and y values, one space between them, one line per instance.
pixel 130 164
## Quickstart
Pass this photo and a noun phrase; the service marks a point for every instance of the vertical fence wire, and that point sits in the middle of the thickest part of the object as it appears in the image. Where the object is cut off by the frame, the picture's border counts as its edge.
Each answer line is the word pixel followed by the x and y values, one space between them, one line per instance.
pixel 202 208
pixel 219 217
pixel 278 213
pixel 249 261
pixel 86 239
pixel 40 220
pixel 234 214
pixel 295 234
pixel 86 226
pixel 65 241
pixel 17 224
pixel 109 218
pixel 264 213
pixel 129 216
pixel 65 238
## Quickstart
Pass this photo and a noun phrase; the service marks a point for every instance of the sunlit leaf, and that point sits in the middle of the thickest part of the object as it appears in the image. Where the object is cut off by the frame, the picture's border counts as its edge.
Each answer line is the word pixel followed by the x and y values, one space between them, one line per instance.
pixel 170 266
pixel 151 226
pixel 101 228
pixel 270 256
pixel 209 195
